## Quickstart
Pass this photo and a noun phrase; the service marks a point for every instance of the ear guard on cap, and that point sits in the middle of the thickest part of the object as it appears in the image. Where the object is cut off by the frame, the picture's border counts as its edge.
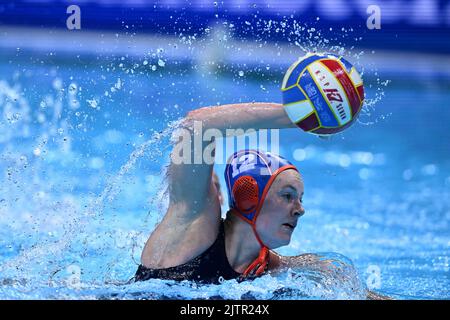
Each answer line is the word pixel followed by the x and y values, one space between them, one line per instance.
pixel 246 194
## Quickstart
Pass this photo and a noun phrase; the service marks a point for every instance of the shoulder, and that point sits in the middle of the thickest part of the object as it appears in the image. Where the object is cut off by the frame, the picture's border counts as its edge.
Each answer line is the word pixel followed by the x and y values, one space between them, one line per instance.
pixel 275 261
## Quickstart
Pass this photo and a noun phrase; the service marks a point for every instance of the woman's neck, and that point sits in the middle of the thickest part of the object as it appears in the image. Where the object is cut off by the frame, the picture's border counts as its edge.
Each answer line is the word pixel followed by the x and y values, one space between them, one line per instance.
pixel 241 245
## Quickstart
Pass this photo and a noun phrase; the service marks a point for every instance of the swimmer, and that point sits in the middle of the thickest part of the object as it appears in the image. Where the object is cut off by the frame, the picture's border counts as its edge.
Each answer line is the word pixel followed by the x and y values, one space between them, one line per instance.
pixel 265 193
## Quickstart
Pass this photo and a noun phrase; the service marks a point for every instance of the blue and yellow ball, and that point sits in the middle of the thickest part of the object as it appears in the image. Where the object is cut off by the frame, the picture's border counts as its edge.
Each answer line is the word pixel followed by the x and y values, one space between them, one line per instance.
pixel 322 93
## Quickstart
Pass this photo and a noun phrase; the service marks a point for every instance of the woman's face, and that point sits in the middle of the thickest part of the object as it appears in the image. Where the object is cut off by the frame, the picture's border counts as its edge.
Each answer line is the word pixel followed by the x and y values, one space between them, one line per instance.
pixel 281 209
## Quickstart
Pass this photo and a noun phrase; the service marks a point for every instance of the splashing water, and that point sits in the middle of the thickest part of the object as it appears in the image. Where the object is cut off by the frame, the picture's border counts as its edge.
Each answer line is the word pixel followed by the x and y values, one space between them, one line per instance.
pixel 76 220
pixel 78 178
pixel 79 221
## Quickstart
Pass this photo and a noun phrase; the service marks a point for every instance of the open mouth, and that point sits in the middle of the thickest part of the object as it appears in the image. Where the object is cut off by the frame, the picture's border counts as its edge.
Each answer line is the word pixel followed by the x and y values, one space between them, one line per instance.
pixel 288 225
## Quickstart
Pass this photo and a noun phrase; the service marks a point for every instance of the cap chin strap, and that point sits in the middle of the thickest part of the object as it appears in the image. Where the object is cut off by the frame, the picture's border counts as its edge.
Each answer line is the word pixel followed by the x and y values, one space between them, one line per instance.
pixel 258 266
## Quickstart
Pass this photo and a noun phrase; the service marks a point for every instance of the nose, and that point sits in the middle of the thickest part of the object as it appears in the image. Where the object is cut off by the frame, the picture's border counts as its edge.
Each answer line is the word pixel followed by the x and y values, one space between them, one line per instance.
pixel 299 210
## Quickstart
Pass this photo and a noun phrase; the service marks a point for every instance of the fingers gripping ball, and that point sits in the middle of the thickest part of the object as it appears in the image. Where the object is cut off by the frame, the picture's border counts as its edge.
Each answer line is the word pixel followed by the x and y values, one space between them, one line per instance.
pixel 322 93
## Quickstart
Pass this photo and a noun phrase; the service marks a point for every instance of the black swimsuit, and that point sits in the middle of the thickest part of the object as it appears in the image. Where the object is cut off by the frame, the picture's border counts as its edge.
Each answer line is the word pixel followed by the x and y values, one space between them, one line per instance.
pixel 209 267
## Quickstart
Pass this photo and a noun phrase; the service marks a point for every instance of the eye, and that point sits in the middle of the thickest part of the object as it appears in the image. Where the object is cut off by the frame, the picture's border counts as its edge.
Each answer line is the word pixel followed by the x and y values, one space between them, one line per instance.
pixel 288 196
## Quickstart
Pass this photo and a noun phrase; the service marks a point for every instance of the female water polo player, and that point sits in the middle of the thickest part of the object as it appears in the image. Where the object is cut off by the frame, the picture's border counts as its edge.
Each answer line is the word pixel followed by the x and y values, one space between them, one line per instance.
pixel 265 194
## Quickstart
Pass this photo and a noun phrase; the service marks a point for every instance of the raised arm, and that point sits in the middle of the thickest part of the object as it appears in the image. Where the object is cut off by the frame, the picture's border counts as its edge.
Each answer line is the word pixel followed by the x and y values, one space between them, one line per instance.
pixel 254 115
pixel 190 224
pixel 190 184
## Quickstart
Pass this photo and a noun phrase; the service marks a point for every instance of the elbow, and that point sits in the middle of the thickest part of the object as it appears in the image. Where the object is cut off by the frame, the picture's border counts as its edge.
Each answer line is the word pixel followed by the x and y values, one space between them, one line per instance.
pixel 193 114
pixel 199 117
pixel 198 114
pixel 189 120
pixel 185 128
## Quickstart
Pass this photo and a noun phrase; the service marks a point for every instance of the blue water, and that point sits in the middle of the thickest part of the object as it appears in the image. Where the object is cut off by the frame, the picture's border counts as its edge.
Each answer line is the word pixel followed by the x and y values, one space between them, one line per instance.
pixel 82 146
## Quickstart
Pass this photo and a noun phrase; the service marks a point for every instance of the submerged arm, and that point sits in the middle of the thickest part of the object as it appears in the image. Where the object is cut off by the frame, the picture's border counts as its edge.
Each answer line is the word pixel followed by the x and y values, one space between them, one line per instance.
pixel 314 262
pixel 371 295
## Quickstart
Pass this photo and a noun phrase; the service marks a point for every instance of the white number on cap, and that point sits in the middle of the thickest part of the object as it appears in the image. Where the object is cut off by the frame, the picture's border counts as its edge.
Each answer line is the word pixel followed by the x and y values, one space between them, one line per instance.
pixel 243 163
